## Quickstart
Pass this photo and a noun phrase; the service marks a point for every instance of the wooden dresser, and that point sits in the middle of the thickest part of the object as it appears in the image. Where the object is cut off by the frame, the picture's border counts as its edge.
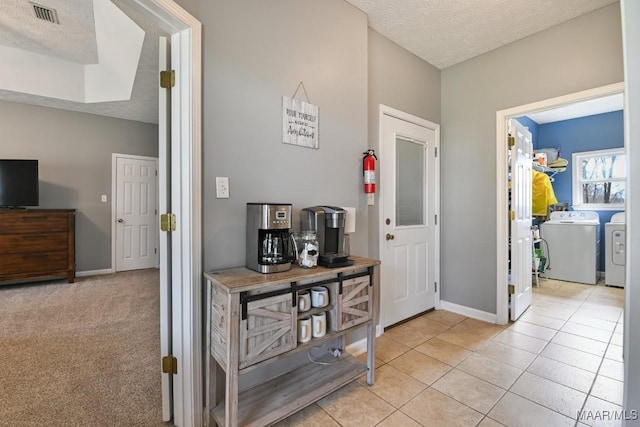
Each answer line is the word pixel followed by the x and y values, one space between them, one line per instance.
pixel 255 375
pixel 37 244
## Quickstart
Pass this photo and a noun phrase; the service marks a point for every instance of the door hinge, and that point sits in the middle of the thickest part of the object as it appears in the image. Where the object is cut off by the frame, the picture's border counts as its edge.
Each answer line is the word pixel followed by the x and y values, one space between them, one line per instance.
pixel 168 222
pixel 436 219
pixel 167 79
pixel 435 286
pixel 169 365
pixel 435 154
pixel 512 141
pixel 512 215
pixel 512 289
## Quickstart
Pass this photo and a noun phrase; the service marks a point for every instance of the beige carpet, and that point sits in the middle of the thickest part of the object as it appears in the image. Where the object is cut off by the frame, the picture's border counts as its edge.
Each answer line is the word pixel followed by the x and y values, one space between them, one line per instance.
pixel 81 354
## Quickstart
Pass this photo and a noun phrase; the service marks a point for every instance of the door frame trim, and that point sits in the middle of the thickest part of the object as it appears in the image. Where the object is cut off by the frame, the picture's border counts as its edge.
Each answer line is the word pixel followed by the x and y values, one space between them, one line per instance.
pixel 187 296
pixel 114 192
pixel 385 110
pixel 502 208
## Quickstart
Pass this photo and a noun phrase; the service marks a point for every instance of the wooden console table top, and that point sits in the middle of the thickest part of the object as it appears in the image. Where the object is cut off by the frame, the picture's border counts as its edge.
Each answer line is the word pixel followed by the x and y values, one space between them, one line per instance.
pixel 240 279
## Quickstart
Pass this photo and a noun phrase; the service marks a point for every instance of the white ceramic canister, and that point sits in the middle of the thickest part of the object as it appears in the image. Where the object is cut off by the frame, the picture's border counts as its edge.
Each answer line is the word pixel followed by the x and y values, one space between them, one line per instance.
pixel 305 331
pixel 304 301
pixel 319 327
pixel 319 296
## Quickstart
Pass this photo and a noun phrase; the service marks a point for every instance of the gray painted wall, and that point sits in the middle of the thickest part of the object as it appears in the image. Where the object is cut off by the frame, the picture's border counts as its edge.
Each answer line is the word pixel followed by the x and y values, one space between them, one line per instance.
pixel 74 152
pixel 581 54
pixel 254 54
pixel 631 17
pixel 400 80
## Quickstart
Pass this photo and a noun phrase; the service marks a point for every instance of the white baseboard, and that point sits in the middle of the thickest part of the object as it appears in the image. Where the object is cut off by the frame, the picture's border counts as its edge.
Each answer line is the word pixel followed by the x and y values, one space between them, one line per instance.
pixel 94 272
pixel 360 346
pixel 357 348
pixel 468 311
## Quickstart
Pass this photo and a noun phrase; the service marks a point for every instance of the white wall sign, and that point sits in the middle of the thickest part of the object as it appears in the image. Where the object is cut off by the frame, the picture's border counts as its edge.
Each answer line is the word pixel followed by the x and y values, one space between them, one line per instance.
pixel 299 123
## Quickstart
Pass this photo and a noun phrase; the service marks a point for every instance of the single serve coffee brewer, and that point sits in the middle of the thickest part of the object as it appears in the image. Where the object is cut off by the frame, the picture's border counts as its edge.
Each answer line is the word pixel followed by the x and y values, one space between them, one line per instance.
pixel 328 222
pixel 268 239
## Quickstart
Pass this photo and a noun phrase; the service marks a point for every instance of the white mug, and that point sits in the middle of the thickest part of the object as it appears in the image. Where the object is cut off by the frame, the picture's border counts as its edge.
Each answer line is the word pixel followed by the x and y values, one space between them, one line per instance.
pixel 304 301
pixel 319 324
pixel 304 329
pixel 319 296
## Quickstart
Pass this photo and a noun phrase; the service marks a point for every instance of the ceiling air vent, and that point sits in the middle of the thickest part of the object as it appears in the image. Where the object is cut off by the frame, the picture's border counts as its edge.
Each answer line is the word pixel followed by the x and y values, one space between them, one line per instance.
pixel 45 13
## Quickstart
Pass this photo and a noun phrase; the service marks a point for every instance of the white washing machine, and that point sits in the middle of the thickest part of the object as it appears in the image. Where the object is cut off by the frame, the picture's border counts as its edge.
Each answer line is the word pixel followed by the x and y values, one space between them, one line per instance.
pixel 615 250
pixel 572 245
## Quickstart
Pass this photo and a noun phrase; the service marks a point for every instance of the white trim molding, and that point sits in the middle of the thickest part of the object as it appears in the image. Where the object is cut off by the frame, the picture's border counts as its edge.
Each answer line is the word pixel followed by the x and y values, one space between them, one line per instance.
pixel 187 204
pixel 87 273
pixel 469 312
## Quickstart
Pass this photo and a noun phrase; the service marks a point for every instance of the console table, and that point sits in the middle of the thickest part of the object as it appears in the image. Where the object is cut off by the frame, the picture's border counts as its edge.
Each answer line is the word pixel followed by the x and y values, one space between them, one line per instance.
pixel 251 324
pixel 37 244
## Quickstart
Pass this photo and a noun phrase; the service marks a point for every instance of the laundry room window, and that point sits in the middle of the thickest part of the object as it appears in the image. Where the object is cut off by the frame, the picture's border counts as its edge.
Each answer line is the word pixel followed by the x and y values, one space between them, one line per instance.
pixel 599 179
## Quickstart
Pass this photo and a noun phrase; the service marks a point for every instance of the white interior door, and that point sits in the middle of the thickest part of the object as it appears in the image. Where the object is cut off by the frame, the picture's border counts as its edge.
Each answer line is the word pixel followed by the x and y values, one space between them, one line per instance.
pixel 520 240
pixel 136 213
pixel 164 206
pixel 408 239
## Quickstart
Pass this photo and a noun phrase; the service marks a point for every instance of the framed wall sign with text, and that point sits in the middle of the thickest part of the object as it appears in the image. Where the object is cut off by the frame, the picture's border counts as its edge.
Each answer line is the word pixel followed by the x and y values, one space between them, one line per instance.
pixel 299 123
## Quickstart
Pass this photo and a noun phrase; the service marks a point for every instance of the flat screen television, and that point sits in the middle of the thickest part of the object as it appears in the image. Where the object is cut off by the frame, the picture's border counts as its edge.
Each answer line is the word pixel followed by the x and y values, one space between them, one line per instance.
pixel 18 183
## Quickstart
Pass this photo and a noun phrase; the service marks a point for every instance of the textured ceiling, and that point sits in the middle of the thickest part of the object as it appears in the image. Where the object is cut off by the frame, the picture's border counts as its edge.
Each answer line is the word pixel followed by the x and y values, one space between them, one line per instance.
pixel 447 32
pixel 442 32
pixel 77 22
pixel 74 39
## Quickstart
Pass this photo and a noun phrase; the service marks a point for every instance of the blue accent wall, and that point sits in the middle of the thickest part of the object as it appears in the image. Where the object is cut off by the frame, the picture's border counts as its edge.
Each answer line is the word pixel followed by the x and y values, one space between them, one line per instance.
pixel 597 132
pixel 531 125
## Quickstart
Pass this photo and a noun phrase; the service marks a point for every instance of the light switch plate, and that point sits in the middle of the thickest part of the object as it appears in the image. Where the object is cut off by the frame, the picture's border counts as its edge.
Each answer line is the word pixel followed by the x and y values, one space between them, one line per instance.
pixel 222 187
pixel 103 198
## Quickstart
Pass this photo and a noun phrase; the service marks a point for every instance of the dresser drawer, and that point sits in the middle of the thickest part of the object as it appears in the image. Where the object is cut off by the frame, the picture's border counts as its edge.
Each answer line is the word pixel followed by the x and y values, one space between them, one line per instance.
pixel 33 223
pixel 28 243
pixel 33 262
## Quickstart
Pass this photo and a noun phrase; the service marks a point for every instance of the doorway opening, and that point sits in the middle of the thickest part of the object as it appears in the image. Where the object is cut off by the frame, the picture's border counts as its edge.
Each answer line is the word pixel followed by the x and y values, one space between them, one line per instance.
pixel 502 207
pixel 180 171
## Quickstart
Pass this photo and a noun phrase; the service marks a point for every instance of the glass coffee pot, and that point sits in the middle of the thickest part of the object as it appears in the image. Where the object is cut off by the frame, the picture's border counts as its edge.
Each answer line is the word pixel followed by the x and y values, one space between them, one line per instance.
pixel 272 248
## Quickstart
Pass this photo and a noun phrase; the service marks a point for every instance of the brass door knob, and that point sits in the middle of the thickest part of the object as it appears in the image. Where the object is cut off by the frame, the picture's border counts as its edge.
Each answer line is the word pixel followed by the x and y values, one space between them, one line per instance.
pixel 120 220
pixel 390 236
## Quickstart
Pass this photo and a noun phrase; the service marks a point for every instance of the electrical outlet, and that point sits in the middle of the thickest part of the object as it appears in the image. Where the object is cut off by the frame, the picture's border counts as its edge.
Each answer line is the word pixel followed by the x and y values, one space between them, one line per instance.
pixel 222 187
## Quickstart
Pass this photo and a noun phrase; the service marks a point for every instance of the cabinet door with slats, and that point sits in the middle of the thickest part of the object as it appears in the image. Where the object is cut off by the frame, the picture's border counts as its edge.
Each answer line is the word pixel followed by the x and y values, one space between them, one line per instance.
pixel 354 304
pixel 268 330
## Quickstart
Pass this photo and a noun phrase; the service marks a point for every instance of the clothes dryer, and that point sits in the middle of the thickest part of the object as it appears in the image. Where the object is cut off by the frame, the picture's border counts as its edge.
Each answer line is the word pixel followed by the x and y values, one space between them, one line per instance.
pixel 572 246
pixel 615 250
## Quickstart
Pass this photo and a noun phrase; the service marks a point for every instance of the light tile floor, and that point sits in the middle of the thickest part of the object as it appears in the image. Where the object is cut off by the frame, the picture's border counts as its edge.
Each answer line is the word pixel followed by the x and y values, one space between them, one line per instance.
pixel 563 356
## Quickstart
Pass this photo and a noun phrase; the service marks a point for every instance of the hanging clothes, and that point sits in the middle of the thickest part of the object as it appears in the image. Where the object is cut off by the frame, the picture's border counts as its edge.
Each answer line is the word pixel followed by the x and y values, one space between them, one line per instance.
pixel 542 194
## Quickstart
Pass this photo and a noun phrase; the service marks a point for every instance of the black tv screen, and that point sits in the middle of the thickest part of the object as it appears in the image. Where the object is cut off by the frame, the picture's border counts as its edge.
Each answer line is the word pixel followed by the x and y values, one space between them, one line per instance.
pixel 18 183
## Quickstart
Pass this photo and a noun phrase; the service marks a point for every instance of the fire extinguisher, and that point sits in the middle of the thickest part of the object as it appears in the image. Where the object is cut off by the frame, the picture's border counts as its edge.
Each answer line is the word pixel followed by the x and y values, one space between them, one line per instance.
pixel 369 172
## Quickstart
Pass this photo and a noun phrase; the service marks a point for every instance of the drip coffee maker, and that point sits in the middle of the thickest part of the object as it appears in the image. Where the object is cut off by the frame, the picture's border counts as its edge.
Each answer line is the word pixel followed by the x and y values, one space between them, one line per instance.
pixel 268 239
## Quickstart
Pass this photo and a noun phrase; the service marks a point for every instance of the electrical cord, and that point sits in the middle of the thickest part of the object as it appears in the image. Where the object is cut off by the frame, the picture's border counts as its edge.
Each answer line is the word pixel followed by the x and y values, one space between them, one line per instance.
pixel 334 352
